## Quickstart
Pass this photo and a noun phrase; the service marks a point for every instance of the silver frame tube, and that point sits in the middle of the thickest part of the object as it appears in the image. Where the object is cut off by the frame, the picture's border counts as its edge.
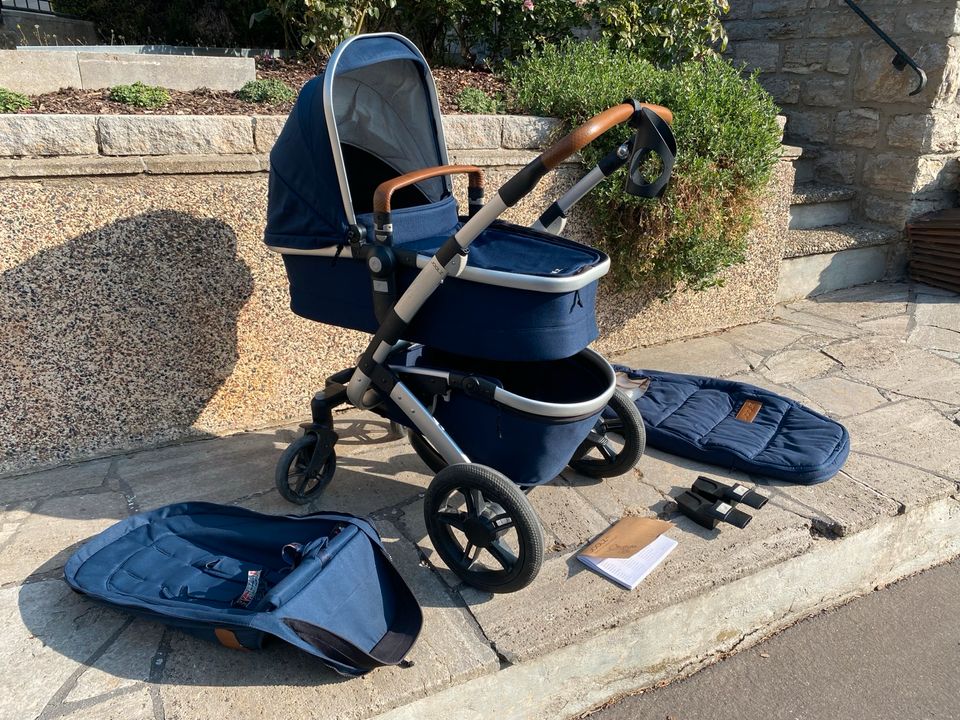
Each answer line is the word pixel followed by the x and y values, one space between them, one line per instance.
pixel 540 407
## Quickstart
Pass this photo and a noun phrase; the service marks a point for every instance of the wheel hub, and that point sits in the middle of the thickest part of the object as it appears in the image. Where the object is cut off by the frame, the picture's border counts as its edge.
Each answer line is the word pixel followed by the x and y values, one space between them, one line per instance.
pixel 480 531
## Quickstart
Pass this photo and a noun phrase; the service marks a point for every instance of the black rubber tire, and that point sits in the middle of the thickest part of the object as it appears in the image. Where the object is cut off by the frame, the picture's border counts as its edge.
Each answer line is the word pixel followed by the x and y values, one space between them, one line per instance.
pixel 629 425
pixel 426 452
pixel 510 509
pixel 295 458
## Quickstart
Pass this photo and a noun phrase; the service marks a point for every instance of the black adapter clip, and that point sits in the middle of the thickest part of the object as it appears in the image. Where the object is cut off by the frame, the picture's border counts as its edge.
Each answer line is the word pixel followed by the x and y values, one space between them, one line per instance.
pixel 708 513
pixel 736 493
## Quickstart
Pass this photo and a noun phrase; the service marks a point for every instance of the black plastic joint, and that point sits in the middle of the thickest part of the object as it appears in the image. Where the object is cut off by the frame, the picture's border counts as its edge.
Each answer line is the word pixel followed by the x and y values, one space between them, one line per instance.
pixel 733 494
pixel 356 236
pixel 383 379
pixel 473 386
pixel 514 189
pixel 707 513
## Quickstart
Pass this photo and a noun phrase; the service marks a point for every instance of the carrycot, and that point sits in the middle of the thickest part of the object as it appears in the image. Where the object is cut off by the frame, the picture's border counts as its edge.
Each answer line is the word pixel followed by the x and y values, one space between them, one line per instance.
pixel 373 116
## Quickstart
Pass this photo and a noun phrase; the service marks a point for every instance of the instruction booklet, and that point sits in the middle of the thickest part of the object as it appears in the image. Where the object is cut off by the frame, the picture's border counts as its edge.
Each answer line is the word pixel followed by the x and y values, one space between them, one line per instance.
pixel 629 550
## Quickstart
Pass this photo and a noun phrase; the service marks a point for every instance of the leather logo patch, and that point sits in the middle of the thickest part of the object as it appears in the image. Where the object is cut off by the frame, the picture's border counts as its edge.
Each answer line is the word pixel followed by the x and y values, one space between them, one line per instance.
pixel 748 411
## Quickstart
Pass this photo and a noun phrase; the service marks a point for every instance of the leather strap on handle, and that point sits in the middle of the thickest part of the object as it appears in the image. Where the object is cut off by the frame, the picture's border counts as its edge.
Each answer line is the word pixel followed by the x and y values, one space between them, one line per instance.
pixel 385 190
pixel 593 128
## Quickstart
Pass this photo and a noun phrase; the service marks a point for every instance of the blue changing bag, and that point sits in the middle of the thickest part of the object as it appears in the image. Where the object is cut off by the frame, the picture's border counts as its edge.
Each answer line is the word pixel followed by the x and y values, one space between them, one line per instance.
pixel 321 582
pixel 740 426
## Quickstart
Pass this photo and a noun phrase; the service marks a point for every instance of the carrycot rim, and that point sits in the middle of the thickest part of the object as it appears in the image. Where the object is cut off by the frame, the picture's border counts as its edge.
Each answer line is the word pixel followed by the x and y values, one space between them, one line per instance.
pixel 329 76
pixel 499 278
pixel 540 408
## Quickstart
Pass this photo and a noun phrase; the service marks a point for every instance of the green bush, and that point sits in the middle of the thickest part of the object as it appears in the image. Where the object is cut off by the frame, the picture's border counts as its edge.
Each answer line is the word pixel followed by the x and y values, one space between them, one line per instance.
pixel 665 33
pixel 11 102
pixel 140 95
pixel 317 26
pixel 728 143
pixel 266 91
pixel 475 100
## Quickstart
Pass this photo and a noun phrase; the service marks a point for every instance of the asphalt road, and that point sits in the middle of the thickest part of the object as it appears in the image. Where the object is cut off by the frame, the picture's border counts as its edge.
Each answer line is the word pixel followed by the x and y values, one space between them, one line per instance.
pixel 892 654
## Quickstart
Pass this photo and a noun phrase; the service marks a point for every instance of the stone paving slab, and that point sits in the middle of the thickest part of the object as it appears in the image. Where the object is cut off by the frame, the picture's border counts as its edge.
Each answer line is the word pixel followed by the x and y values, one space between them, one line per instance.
pixel 863 355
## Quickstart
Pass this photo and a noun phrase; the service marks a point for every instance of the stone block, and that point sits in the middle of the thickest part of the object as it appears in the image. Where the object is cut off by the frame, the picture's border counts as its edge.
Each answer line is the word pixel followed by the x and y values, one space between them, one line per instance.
pixel 266 129
pixel 785 90
pixel 817 274
pixel 937 21
pixel 475 132
pixel 878 81
pixel 913 132
pixel 890 171
pixel 794 365
pixel 886 210
pixel 35 73
pixel 777 8
pixel 804 57
pixel 70 165
pixel 824 92
pixel 522 132
pixel 837 166
pixel 175 134
pixel 200 164
pixel 840 57
pixel 808 125
pixel 31 135
pixel 833 23
pixel 859 127
pixel 936 172
pixel 774 29
pixel 177 72
pixel 756 55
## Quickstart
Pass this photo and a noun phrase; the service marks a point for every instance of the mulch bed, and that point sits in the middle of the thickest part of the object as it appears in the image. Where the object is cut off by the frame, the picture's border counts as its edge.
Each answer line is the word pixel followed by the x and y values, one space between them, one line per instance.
pixel 450 82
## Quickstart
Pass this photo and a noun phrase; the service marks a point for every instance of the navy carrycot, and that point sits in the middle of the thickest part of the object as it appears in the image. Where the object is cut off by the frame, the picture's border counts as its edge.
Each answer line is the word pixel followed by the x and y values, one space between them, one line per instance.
pixel 322 582
pixel 480 327
pixel 372 116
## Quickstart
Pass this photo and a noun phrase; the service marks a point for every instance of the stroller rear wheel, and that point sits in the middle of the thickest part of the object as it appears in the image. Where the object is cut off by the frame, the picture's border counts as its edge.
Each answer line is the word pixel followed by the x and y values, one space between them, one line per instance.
pixel 483 527
pixel 599 456
pixel 297 481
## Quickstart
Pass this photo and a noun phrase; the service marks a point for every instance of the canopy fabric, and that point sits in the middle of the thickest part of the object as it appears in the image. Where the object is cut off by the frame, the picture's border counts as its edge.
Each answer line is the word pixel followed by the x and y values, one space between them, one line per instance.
pixel 376 95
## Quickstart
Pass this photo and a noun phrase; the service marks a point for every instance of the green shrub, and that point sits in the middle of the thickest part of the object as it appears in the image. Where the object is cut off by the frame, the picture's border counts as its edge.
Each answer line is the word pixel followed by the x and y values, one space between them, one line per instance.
pixel 140 95
pixel 665 33
pixel 11 102
pixel 728 143
pixel 317 26
pixel 475 100
pixel 266 91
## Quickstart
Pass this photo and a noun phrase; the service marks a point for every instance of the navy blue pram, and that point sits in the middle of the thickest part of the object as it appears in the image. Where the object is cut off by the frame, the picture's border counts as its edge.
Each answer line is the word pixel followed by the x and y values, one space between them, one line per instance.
pixel 480 326
pixel 321 582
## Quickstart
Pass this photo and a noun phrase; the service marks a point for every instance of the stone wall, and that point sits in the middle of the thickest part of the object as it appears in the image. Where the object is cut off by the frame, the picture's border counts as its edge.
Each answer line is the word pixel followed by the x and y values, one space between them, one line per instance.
pixel 849 108
pixel 138 304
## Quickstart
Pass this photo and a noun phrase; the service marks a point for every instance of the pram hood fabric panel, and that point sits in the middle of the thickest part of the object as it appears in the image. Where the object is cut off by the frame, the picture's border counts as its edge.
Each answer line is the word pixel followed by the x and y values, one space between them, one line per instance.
pixel 377 95
pixel 324 582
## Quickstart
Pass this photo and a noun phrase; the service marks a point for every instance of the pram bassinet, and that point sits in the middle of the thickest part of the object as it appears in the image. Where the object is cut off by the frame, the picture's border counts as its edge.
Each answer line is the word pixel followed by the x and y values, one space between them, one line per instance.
pixel 524 295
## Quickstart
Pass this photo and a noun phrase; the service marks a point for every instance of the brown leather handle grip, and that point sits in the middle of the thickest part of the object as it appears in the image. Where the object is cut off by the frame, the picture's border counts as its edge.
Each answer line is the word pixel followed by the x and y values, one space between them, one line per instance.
pixel 385 190
pixel 593 128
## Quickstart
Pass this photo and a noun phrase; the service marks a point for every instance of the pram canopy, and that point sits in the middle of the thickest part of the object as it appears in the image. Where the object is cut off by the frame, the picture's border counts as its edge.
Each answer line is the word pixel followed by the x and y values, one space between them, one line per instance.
pixel 372 116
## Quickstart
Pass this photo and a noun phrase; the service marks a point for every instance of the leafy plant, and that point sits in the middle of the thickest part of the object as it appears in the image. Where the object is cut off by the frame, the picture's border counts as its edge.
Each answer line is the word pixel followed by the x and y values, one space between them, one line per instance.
pixel 475 100
pixel 140 95
pixel 666 33
pixel 728 143
pixel 317 26
pixel 11 102
pixel 266 91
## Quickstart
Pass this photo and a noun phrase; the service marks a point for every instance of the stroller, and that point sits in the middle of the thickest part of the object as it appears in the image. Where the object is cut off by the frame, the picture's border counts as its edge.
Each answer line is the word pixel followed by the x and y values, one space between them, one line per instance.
pixel 480 327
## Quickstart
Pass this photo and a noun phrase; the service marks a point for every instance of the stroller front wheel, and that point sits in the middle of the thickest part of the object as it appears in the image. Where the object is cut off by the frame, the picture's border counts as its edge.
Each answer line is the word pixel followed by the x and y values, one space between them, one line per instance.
pixel 483 527
pixel 296 480
pixel 597 456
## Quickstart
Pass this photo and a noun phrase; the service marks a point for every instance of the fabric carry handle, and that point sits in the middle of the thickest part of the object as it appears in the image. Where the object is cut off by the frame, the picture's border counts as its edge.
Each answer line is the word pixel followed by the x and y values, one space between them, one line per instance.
pixel 391 649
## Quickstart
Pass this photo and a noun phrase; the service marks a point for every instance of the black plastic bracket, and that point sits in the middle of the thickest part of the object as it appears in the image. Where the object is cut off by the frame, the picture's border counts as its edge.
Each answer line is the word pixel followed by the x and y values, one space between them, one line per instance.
pixel 707 513
pixel 653 136
pixel 733 494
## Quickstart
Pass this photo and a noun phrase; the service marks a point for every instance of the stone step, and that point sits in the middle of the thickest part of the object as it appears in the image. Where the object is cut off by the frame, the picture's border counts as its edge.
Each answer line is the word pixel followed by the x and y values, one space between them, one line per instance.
pixel 817 205
pixel 804 242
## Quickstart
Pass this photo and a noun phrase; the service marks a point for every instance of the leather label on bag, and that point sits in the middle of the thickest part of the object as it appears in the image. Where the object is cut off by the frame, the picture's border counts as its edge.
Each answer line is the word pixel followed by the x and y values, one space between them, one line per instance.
pixel 748 411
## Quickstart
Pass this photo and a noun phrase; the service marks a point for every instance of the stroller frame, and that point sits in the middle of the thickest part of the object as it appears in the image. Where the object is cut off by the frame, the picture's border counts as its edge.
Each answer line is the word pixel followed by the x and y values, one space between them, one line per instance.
pixel 494 503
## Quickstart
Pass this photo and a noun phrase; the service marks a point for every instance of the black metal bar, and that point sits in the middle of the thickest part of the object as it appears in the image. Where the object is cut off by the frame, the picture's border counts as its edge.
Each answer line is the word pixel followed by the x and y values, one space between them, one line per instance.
pixel 901 60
